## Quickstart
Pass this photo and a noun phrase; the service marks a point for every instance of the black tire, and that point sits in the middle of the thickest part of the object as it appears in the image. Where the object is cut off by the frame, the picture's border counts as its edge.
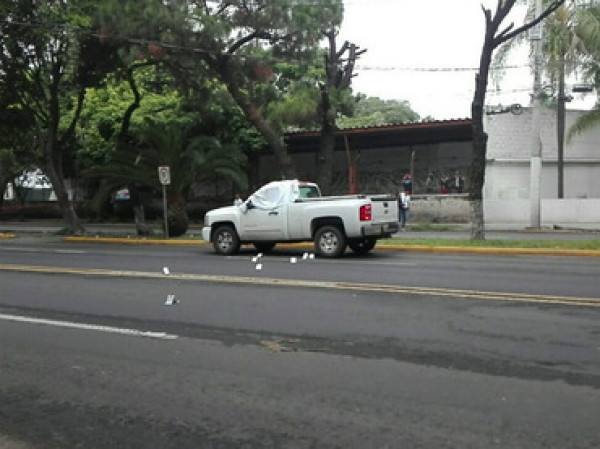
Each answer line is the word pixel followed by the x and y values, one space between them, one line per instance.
pixel 225 240
pixel 330 242
pixel 362 246
pixel 264 247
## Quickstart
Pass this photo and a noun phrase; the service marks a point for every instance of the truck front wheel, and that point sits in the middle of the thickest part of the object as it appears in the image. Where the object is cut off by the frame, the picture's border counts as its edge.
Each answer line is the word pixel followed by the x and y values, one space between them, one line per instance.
pixel 225 240
pixel 330 241
pixel 362 246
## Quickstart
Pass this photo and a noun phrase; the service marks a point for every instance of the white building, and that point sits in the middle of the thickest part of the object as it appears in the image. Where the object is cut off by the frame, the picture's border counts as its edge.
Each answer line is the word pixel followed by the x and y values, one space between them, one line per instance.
pixel 507 186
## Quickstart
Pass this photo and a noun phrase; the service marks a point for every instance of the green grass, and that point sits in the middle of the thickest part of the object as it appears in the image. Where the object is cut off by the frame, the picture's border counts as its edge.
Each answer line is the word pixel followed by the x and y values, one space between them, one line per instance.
pixel 437 227
pixel 592 244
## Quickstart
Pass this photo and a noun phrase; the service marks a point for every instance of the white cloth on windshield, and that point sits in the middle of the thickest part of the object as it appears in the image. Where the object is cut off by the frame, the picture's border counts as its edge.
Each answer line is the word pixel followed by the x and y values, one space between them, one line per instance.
pixel 275 194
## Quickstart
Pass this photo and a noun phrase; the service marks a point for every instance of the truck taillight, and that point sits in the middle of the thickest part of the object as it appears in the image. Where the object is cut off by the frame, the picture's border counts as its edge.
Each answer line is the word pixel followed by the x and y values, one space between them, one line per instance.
pixel 365 213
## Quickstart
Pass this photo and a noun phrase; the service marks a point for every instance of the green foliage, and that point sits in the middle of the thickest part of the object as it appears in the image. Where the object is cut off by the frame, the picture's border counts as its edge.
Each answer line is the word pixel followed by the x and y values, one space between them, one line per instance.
pixel 105 106
pixel 373 111
pixel 172 144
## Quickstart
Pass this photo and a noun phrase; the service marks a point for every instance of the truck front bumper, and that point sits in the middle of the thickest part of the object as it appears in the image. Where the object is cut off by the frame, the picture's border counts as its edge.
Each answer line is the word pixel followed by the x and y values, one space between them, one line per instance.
pixel 206 234
pixel 380 229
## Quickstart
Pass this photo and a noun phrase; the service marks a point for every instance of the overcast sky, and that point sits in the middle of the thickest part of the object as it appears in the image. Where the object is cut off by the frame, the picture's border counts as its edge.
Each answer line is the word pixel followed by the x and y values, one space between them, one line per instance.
pixel 424 52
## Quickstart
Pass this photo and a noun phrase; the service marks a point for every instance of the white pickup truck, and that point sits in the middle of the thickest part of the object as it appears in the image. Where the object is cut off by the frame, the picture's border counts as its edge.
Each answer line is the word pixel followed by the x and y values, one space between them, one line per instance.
pixel 295 211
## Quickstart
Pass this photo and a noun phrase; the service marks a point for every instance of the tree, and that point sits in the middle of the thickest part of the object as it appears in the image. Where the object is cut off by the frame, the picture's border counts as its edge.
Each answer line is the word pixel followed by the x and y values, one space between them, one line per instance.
pixel 374 111
pixel 566 39
pixel 224 36
pixel 589 30
pixel 172 144
pixel 568 33
pixel 495 35
pixel 47 61
pixel 339 71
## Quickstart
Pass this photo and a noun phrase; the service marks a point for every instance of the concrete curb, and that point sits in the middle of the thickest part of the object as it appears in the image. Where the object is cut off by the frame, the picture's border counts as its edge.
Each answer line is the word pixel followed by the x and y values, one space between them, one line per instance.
pixel 134 241
pixel 430 249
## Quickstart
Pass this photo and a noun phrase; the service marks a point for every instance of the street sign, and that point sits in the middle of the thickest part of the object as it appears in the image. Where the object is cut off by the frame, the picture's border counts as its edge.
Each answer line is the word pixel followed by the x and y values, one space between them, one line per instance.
pixel 164 175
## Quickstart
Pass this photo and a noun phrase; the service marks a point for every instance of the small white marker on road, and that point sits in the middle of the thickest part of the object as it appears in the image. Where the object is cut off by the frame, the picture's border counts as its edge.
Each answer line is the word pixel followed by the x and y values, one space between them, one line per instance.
pixel 259 266
pixel 171 300
pixel 293 260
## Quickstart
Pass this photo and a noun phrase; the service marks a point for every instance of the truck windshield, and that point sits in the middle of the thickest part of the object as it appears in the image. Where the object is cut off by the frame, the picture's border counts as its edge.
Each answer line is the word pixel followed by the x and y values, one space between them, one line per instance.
pixel 308 191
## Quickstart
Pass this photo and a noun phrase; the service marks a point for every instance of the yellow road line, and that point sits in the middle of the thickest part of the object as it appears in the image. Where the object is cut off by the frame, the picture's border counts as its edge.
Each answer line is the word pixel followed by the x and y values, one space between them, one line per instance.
pixel 382 288
pixel 135 240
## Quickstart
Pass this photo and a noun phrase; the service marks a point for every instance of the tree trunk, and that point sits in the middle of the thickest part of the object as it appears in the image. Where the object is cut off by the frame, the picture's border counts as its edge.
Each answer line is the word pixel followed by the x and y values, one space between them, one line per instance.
pixel 254 116
pixel 477 226
pixel 72 222
pixel 479 151
pixel 4 180
pixel 139 218
pixel 177 216
pixel 139 214
pixel 491 41
pixel 327 144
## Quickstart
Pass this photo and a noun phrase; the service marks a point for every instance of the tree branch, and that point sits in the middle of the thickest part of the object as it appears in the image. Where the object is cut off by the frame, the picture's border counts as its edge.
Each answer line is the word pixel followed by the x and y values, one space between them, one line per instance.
pixel 503 37
pixel 243 41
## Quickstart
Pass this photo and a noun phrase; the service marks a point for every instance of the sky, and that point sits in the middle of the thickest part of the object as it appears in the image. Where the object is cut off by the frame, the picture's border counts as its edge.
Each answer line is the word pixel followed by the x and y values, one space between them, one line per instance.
pixel 426 52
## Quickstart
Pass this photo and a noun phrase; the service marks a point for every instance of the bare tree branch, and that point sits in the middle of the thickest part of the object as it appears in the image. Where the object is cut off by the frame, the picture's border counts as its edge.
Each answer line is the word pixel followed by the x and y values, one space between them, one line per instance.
pixel 549 10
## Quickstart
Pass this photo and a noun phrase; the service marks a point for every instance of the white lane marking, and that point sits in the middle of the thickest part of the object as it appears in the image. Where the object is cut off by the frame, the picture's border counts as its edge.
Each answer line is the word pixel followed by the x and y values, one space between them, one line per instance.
pixel 89 327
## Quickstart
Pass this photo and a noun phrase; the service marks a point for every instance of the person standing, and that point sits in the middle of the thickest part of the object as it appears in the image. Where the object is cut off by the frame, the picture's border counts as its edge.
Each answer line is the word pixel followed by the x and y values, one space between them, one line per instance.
pixel 403 208
pixel 407 183
pixel 238 201
pixel 458 183
pixel 445 184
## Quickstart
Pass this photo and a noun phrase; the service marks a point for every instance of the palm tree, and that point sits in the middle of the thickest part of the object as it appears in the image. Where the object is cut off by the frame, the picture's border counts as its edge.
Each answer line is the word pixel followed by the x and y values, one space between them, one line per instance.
pixel 565 46
pixel 589 30
pixel 172 145
pixel 566 39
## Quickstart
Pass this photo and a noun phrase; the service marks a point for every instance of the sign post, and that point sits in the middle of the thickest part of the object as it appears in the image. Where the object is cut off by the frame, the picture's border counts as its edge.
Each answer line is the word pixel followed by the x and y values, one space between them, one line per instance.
pixel 164 175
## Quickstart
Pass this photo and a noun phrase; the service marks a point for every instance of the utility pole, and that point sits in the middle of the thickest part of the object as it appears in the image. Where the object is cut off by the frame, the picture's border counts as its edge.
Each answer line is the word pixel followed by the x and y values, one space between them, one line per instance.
pixel 536 140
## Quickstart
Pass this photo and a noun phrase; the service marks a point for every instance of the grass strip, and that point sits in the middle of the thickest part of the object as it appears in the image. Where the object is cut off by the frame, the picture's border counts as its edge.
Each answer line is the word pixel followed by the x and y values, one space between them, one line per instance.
pixel 592 244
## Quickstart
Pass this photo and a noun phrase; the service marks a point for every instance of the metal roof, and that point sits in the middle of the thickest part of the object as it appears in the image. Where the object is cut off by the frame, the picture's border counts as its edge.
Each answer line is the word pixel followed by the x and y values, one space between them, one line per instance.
pixel 408 134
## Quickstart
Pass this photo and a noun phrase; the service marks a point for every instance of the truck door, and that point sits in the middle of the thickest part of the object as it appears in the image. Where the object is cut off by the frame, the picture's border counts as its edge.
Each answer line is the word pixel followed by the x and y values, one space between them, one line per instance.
pixel 264 224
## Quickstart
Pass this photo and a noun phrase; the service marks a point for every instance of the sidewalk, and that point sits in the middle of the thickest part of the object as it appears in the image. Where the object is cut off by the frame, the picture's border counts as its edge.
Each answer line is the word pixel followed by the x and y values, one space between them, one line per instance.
pixel 460 231
pixel 124 233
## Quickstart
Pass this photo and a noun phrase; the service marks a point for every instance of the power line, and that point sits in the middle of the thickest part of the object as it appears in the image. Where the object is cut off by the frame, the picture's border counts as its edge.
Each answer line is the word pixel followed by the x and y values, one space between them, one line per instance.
pixel 142 41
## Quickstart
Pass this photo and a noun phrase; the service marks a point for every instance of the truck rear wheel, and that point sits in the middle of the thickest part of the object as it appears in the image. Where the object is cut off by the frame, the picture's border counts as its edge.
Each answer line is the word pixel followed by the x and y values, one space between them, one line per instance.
pixel 330 241
pixel 362 246
pixel 225 240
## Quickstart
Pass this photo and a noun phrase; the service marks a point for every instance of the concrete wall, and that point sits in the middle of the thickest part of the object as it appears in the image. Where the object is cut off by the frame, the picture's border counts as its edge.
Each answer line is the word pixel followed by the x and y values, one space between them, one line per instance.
pixel 379 170
pixel 509 150
pixel 507 214
pixel 507 183
pixel 452 208
pixel 576 213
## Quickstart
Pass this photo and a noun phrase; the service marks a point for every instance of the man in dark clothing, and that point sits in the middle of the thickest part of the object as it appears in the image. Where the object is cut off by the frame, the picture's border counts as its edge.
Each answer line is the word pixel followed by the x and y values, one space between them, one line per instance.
pixel 458 183
pixel 407 184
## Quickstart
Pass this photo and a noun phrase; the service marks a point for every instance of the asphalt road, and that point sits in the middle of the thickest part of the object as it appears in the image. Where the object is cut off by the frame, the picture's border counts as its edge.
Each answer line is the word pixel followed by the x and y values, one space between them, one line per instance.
pixel 386 351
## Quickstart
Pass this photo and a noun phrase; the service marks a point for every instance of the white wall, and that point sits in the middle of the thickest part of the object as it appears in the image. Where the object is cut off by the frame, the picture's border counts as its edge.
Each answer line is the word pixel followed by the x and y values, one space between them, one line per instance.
pixel 507 184
pixel 508 155
pixel 577 213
